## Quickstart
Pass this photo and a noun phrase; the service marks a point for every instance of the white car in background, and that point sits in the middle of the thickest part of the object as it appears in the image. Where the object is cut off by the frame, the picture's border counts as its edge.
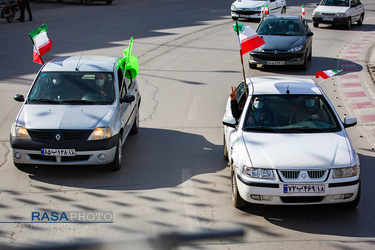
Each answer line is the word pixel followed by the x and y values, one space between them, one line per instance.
pixel 289 146
pixel 252 8
pixel 339 12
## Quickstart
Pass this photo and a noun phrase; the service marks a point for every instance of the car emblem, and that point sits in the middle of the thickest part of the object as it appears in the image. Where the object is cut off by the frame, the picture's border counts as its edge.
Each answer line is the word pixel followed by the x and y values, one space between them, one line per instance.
pixel 58 137
pixel 304 175
pixel 275 51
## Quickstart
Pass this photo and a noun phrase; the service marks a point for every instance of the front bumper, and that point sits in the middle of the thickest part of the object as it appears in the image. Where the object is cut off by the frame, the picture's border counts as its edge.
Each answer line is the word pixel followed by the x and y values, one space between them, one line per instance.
pixel 282 58
pixel 245 14
pixel 99 152
pixel 273 193
pixel 331 20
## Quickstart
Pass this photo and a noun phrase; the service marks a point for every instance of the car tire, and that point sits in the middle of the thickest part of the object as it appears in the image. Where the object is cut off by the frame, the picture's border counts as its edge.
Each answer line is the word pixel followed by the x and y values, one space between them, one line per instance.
pixel 360 21
pixel 108 1
pixel 235 18
pixel 348 23
pixel 252 65
pixel 304 65
pixel 116 164
pixel 237 200
pixel 316 25
pixel 135 128
pixel 355 202
pixel 283 10
pixel 87 2
pixel 225 149
pixel 310 55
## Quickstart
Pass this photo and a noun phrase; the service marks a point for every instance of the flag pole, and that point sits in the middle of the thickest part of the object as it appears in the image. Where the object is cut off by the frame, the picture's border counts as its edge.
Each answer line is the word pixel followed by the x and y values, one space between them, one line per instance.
pixel 243 69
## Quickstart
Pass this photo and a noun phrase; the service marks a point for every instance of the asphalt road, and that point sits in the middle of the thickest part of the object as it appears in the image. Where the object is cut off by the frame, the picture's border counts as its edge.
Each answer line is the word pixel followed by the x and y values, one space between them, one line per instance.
pixel 174 176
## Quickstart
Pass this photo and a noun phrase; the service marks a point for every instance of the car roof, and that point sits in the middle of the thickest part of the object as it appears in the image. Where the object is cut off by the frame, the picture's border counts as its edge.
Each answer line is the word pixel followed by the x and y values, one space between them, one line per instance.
pixel 283 16
pixel 81 63
pixel 275 85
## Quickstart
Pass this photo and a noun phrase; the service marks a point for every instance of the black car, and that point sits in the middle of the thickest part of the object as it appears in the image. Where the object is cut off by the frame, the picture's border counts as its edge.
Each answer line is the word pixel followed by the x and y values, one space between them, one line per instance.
pixel 288 42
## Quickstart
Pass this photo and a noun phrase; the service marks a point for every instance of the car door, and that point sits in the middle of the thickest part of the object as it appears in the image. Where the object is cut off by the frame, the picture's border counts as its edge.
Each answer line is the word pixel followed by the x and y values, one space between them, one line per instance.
pixel 127 109
pixel 353 10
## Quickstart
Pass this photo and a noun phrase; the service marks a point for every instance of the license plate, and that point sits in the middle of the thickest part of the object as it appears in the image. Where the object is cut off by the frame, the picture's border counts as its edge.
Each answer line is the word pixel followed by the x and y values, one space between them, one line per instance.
pixel 328 18
pixel 275 63
pixel 244 16
pixel 304 188
pixel 58 152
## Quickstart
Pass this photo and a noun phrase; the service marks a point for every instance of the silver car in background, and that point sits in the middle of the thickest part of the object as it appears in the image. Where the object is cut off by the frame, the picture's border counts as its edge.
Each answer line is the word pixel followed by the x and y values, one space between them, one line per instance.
pixel 79 111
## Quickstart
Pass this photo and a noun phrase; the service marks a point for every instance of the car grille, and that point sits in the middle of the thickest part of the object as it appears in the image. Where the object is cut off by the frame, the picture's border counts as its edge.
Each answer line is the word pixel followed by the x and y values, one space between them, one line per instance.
pixel 276 57
pixel 301 199
pixel 67 135
pixel 247 12
pixel 316 175
pixel 63 158
pixel 329 14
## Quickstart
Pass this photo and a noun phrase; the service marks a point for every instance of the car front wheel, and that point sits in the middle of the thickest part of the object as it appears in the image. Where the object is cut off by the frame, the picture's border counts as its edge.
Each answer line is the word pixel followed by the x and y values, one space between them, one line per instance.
pixel 316 25
pixel 116 164
pixel 349 23
pixel 237 200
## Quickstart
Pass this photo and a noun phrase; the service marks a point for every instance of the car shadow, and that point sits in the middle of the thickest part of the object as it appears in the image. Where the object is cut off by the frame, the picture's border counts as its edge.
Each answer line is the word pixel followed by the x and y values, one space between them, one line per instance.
pixel 182 151
pixel 326 219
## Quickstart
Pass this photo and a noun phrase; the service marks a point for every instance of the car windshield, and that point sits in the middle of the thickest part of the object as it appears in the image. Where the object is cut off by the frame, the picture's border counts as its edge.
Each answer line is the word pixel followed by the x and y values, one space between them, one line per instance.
pixel 290 114
pixel 73 88
pixel 335 3
pixel 281 27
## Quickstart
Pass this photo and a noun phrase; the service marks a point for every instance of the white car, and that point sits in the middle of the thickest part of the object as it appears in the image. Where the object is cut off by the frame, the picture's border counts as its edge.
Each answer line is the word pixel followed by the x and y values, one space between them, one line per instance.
pixel 339 12
pixel 79 111
pixel 252 8
pixel 289 146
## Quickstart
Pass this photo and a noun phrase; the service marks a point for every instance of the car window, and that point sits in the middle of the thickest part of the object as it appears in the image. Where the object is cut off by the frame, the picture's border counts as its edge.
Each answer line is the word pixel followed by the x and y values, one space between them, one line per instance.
pixel 335 3
pixel 241 95
pixel 290 113
pixel 288 27
pixel 72 88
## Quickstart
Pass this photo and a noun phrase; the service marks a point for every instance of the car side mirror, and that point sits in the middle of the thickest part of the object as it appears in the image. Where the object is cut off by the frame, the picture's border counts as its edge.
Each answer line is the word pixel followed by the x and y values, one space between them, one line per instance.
pixel 350 122
pixel 19 98
pixel 128 99
pixel 310 33
pixel 230 121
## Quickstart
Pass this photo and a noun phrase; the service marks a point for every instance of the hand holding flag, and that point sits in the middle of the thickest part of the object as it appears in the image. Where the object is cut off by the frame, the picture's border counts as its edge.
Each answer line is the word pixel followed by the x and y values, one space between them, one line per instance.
pixel 41 43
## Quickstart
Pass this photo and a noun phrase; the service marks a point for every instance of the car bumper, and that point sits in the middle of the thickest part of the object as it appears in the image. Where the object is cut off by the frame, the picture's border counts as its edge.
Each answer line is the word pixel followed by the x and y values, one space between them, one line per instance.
pixel 279 59
pixel 86 153
pixel 333 21
pixel 246 14
pixel 273 193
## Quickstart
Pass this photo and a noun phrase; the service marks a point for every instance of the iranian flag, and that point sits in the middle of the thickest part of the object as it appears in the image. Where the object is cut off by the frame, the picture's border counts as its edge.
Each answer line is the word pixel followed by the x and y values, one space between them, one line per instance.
pixel 303 10
pixel 327 73
pixel 41 43
pixel 248 38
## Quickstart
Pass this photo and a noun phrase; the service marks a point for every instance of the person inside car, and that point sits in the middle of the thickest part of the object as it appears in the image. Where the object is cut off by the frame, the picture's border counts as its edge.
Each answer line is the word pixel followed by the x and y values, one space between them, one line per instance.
pixel 105 86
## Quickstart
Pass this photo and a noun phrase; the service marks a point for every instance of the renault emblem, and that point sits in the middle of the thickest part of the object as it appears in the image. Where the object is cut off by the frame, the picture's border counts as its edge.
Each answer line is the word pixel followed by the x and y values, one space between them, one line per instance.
pixel 304 175
pixel 58 137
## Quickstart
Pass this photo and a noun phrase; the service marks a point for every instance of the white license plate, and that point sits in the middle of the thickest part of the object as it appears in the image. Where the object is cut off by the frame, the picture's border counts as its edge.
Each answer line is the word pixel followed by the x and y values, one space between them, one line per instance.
pixel 304 188
pixel 58 152
pixel 275 63
pixel 328 18
pixel 244 16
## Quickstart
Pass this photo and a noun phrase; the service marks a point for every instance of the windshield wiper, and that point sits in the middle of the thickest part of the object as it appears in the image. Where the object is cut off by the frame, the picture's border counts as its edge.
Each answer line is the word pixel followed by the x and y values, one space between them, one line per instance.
pixel 259 128
pixel 44 100
pixel 78 102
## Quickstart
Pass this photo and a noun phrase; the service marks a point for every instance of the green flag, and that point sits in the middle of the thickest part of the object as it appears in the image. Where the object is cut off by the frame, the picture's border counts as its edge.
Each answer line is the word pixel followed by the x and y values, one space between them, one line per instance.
pixel 129 63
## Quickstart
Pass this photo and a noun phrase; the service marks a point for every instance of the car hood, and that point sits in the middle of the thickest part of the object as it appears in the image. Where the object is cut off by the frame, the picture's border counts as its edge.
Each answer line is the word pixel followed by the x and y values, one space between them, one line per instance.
pixel 331 9
pixel 286 151
pixel 249 4
pixel 65 116
pixel 281 42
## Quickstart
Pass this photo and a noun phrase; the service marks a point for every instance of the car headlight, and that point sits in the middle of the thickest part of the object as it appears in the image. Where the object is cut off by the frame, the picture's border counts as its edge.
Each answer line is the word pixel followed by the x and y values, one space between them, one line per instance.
pixel 19 132
pixel 259 173
pixel 345 172
pixel 100 134
pixel 295 49
pixel 259 49
pixel 234 7
pixel 316 13
pixel 341 14
pixel 257 8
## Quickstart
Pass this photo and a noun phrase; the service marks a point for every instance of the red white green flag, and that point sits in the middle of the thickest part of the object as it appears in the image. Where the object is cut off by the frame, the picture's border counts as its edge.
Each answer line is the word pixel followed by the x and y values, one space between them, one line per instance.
pixel 248 38
pixel 327 73
pixel 303 10
pixel 41 43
